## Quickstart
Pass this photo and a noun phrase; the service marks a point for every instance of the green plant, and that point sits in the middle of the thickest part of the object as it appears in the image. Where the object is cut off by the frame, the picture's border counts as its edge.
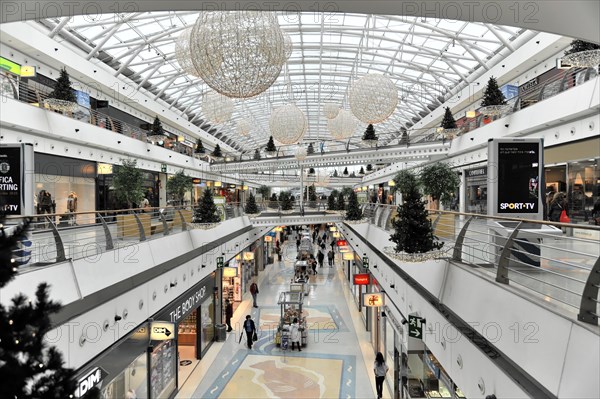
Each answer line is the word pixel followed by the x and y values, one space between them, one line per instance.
pixel 413 230
pixel 273 201
pixel 199 147
pixel 345 173
pixel 178 184
pixel 157 128
pixel 448 122
pixel 361 171
pixel 127 181
pixel 217 152
pixel 341 204
pixel 439 181
pixel 251 207
pixel 492 94
pixel 346 191
pixel 310 149
pixel 286 200
pixel 62 88
pixel 580 45
pixel 353 212
pixel 335 173
pixel 369 168
pixel 206 211
pixel 29 368
pixel 370 133
pixel 331 206
pixel 312 193
pixel 311 171
pixel 257 154
pixel 264 191
pixel 271 145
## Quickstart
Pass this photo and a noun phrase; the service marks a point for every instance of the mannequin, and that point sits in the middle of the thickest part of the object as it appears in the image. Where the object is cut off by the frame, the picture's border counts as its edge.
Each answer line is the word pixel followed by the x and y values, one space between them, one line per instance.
pixel 72 206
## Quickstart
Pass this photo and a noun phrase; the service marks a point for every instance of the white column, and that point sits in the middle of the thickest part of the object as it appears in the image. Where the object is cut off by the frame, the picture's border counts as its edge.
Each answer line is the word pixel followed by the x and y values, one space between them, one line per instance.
pixel 462 192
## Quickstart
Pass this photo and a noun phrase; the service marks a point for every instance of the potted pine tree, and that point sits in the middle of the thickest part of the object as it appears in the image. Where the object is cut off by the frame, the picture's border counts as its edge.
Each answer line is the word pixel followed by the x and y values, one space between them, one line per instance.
pixel 345 173
pixel 335 173
pixel 493 102
pixel 331 205
pixel 369 136
pixel 206 215
pixel 287 202
pixel 353 212
pixel 448 126
pixel 217 153
pixel 312 196
pixel 369 168
pixel 341 204
pixel 251 209
pixel 361 172
pixel 310 149
pixel 270 149
pixel 257 154
pixel 413 236
pixel 273 203
pixel 582 54
pixel 199 148
pixel 62 98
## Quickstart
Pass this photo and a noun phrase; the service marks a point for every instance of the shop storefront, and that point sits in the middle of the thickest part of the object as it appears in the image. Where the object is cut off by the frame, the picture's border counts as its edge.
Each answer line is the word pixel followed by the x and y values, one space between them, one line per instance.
pixel 64 186
pixel 107 200
pixel 427 378
pixel 136 367
pixel 394 349
pixel 476 190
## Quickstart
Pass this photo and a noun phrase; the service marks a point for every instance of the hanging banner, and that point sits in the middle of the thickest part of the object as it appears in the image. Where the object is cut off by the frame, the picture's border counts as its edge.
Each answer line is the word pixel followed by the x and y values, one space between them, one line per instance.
pixel 16 182
pixel 361 279
pixel 373 300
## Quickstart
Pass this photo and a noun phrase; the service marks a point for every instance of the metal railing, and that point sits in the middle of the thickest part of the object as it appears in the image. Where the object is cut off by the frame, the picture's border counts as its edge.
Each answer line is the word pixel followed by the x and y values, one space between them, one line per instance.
pixel 557 262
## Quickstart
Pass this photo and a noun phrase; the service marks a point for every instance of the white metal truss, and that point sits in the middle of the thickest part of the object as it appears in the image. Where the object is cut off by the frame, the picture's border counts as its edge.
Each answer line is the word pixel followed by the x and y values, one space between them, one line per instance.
pixel 426 59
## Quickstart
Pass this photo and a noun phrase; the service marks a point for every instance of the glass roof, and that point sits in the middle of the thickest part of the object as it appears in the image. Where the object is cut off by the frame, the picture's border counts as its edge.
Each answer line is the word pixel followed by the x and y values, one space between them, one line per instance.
pixel 426 58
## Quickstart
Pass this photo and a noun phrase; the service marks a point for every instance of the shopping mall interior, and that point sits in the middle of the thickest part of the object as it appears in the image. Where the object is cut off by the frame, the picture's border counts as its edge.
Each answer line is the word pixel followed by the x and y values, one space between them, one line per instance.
pixel 403 197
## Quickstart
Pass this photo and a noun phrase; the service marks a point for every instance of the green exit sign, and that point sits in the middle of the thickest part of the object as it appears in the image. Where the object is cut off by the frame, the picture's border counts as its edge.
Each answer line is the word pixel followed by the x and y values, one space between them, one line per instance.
pixel 365 262
pixel 163 167
pixel 415 327
pixel 219 262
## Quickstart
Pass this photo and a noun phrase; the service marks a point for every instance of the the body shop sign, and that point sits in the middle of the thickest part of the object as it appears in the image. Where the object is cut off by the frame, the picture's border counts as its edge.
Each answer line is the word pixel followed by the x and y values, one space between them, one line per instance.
pixel 187 302
pixel 14 181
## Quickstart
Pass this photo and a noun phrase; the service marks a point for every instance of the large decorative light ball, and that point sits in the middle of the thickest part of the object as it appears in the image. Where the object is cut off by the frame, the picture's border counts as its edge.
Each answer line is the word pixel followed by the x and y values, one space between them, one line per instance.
pixel 243 127
pixel 301 153
pixel 288 124
pixel 182 53
pixel 238 53
pixel 322 178
pixel 331 110
pixel 288 46
pixel 217 108
pixel 373 98
pixel 342 126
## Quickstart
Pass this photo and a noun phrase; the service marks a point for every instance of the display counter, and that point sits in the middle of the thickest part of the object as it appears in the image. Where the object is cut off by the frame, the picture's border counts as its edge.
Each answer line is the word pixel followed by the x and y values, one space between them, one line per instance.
pixel 291 308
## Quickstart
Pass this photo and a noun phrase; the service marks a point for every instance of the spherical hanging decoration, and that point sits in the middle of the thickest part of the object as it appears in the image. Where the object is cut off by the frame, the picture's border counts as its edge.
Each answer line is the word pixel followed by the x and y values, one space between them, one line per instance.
pixel 238 53
pixel 288 46
pixel 300 153
pixel 331 110
pixel 322 178
pixel 217 108
pixel 342 126
pixel 373 98
pixel 243 127
pixel 182 53
pixel 288 124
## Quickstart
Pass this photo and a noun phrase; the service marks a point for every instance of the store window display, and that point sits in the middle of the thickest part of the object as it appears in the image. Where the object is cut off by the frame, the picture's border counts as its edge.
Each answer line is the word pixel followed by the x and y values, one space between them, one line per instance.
pixel 583 185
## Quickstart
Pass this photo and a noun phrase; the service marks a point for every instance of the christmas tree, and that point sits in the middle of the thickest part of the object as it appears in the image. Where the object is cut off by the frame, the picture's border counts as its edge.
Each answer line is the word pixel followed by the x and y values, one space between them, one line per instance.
pixel 361 171
pixel 310 149
pixel 271 145
pixel 353 212
pixel 62 89
pixel 448 122
pixel 199 147
pixel 207 211
pixel 273 201
pixel 335 173
pixel 29 368
pixel 580 45
pixel 369 134
pixel 311 171
pixel 413 230
pixel 157 129
pixel 492 94
pixel 251 207
pixel 341 205
pixel 257 154
pixel 286 200
pixel 345 173
pixel 331 202
pixel 403 137
pixel 369 168
pixel 217 152
pixel 312 193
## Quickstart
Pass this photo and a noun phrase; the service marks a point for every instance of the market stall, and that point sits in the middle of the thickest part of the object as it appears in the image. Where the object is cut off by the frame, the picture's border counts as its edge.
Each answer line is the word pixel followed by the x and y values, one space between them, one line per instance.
pixel 291 307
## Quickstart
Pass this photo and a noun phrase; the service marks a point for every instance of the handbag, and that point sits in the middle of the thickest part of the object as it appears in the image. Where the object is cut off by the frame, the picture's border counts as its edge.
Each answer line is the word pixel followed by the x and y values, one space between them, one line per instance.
pixel 564 218
pixel 254 337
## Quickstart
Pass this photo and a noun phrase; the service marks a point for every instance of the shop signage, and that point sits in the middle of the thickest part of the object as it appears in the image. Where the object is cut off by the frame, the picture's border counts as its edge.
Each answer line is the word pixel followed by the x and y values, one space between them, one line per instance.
pixel 415 327
pixel 268 239
pixel 373 300
pixel 477 172
pixel 248 255
pixel 336 234
pixel 8 65
pixel 28 71
pixel 163 167
pixel 186 303
pixel 348 256
pixel 342 243
pixel 361 279
pixel 92 379
pixel 529 85
pixel 229 272
pixel 162 331
pixel 365 262
pixel 271 234
pixel 219 262
pixel 196 180
pixel 13 188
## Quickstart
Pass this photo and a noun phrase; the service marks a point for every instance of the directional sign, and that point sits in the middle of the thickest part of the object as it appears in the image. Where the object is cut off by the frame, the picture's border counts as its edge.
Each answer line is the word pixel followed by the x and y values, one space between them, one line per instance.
pixel 219 262
pixel 162 331
pixel 415 327
pixel 365 262
pixel 163 167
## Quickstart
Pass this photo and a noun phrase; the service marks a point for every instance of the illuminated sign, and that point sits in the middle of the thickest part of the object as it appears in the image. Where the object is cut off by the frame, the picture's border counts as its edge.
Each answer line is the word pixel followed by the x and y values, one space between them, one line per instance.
pixel 219 262
pixel 196 180
pixel 10 66
pixel 92 379
pixel 348 256
pixel 344 249
pixel 268 239
pixel 415 327
pixel 362 279
pixel 230 272
pixel 28 71
pixel 342 243
pixel 336 234
pixel 333 228
pixel 248 255
pixel 162 331
pixel 373 300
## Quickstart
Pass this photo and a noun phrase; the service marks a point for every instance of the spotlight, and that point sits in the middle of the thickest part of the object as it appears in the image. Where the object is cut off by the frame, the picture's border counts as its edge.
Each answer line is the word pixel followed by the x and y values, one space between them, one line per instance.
pixel 392 286
pixel 76 130
pixel 173 285
pixel 119 142
pixel 404 321
pixel 117 317
pixel 506 125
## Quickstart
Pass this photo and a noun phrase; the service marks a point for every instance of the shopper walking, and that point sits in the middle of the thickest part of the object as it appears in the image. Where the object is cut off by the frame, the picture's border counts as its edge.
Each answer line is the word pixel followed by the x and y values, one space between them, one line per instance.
pixel 228 314
pixel 254 291
pixel 321 258
pixel 380 369
pixel 558 204
pixel 298 243
pixel 330 258
pixel 250 329
pixel 295 334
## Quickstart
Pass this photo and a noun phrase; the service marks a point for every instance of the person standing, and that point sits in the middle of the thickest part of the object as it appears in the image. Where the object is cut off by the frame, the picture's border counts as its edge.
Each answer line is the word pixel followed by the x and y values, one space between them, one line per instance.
pixel 250 329
pixel 228 314
pixel 254 291
pixel 330 257
pixel 380 369
pixel 295 334
pixel 558 204
pixel 298 243
pixel 321 258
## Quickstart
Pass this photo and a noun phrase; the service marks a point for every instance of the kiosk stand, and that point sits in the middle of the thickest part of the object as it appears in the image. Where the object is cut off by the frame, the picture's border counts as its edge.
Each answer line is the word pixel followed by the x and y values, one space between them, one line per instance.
pixel 291 307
